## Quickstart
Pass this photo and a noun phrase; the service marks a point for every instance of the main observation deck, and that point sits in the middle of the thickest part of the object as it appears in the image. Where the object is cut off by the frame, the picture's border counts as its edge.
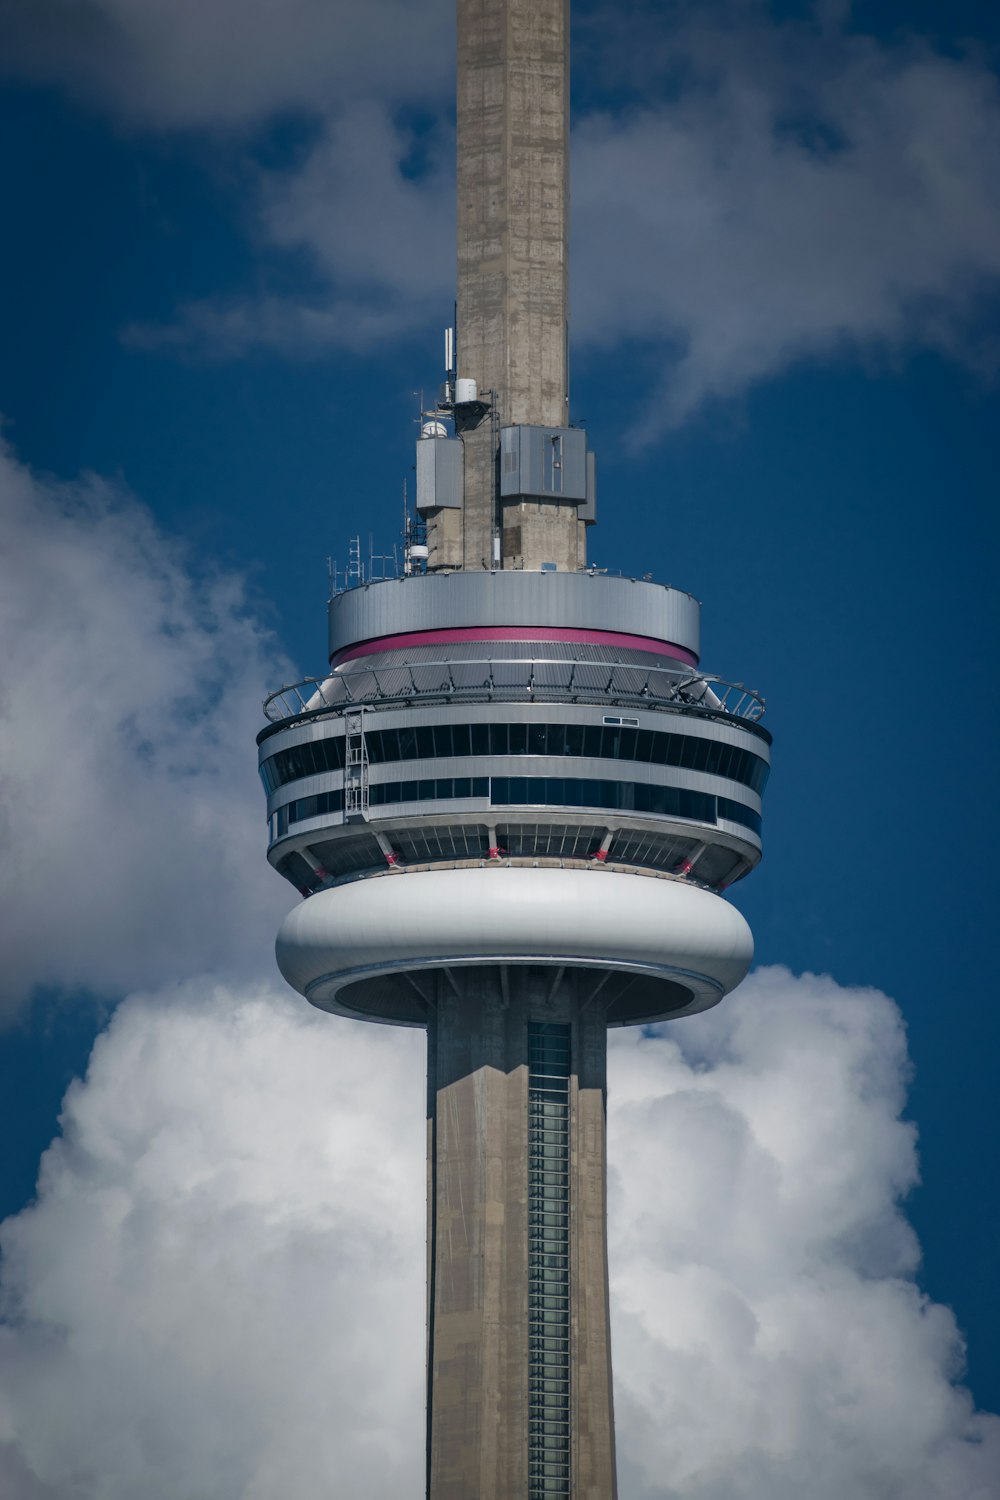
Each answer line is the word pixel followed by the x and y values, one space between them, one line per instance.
pixel 535 721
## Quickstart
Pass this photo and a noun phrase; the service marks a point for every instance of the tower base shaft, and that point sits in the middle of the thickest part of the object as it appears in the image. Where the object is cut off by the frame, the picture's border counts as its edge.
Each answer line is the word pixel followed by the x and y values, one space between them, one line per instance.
pixel 519 1377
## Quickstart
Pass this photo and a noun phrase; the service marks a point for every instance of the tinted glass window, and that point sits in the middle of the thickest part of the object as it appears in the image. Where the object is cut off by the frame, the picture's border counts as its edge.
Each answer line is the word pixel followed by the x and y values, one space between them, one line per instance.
pixel 644 740
pixel 315 807
pixel 593 736
pixel 601 741
pixel 571 791
pixel 737 812
pixel 407 743
pixel 574 739
pixel 443 740
pixel 538 738
pixel 442 788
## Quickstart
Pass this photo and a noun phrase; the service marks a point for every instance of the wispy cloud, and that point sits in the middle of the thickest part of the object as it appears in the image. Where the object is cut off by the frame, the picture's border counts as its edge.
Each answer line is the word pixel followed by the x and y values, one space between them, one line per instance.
pixel 747 194
pixel 374 235
pixel 801 195
pixel 228 64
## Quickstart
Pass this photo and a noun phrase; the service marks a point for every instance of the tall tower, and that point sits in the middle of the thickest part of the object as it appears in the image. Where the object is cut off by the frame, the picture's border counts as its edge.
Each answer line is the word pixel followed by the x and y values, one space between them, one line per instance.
pixel 512 806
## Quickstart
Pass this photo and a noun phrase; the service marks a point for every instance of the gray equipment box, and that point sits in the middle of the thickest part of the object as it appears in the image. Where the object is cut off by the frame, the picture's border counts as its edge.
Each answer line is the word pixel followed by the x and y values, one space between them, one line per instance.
pixel 588 510
pixel 439 473
pixel 547 462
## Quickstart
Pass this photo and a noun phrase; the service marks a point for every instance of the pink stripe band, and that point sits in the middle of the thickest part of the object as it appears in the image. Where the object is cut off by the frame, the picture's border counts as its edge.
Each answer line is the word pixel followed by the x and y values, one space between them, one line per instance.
pixel 515 633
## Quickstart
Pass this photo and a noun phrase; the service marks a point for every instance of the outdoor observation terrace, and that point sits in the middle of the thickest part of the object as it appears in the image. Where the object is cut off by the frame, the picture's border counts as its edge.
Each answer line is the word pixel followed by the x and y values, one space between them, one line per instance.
pixel 505 679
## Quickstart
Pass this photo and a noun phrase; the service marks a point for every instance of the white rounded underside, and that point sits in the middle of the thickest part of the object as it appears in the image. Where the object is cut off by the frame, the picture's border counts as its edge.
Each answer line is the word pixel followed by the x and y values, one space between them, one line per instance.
pixel 414 920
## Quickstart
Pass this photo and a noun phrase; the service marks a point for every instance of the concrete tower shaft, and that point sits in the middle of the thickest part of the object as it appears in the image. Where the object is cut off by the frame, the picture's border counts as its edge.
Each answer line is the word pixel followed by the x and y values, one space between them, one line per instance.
pixel 513 201
pixel 513 192
pixel 519 1366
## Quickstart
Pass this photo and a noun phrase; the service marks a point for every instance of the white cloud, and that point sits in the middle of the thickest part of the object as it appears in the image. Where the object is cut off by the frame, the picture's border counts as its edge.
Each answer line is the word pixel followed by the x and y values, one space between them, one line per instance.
pixel 756 194
pixel 377 240
pixel 220 1289
pixel 769 1339
pixel 131 817
pixel 771 194
pixel 169 64
pixel 802 195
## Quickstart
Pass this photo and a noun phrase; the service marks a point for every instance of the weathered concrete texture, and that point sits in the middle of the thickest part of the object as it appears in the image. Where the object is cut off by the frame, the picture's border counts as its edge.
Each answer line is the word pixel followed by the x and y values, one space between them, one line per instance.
pixel 513 199
pixel 478 1406
pixel 512 203
pixel 543 531
pixel 480 448
pixel 592 1419
pixel 444 540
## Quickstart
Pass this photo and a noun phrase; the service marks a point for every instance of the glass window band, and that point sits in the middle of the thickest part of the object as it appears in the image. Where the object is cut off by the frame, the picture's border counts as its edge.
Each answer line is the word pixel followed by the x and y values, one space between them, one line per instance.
pixel 596 741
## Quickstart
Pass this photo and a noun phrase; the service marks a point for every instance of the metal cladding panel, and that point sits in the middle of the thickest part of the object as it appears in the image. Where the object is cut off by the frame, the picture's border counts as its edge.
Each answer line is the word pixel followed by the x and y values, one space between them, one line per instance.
pixel 454 601
pixel 462 916
pixel 439 474
pixel 588 510
pixel 548 462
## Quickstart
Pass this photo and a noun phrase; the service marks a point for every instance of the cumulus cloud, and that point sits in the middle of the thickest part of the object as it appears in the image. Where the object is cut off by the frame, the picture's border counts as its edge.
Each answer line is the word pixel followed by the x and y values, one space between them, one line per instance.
pixel 230 64
pixel 220 1288
pixel 131 818
pixel 769 1338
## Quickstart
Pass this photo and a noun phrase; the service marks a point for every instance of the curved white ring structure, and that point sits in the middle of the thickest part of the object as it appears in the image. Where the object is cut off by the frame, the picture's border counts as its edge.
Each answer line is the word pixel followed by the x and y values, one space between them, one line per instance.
pixel 339 940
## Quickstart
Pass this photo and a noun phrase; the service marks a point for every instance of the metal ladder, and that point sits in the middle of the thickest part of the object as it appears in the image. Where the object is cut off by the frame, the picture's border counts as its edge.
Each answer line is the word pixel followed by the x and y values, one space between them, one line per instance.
pixel 355 769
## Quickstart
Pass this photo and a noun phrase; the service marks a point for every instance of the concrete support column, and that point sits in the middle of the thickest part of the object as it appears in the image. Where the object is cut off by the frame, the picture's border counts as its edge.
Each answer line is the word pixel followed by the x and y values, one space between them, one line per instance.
pixel 478 1193
pixel 478 1210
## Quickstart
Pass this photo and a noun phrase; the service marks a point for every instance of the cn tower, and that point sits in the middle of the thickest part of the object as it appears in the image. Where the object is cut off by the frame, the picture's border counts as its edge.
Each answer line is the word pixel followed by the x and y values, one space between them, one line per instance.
pixel 512 806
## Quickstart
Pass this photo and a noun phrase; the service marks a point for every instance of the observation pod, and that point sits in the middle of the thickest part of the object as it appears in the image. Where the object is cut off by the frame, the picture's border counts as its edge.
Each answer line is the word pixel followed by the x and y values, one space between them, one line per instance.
pixel 513 805
pixel 563 796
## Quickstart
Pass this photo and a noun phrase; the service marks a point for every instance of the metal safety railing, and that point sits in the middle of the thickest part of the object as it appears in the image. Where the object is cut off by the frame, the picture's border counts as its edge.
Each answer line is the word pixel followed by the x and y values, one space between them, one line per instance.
pixel 530 680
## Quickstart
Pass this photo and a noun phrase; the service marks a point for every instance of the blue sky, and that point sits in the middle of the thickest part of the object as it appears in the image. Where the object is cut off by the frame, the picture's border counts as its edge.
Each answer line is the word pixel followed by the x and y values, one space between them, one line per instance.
pixel 227 263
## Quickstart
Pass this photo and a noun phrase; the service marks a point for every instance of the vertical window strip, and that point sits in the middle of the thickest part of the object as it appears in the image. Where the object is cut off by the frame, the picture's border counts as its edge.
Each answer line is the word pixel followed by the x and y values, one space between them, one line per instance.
pixel 548 1261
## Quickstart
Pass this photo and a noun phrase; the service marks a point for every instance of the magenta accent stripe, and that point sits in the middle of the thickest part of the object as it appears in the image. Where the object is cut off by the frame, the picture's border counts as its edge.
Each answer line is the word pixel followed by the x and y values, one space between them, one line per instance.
pixel 514 633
